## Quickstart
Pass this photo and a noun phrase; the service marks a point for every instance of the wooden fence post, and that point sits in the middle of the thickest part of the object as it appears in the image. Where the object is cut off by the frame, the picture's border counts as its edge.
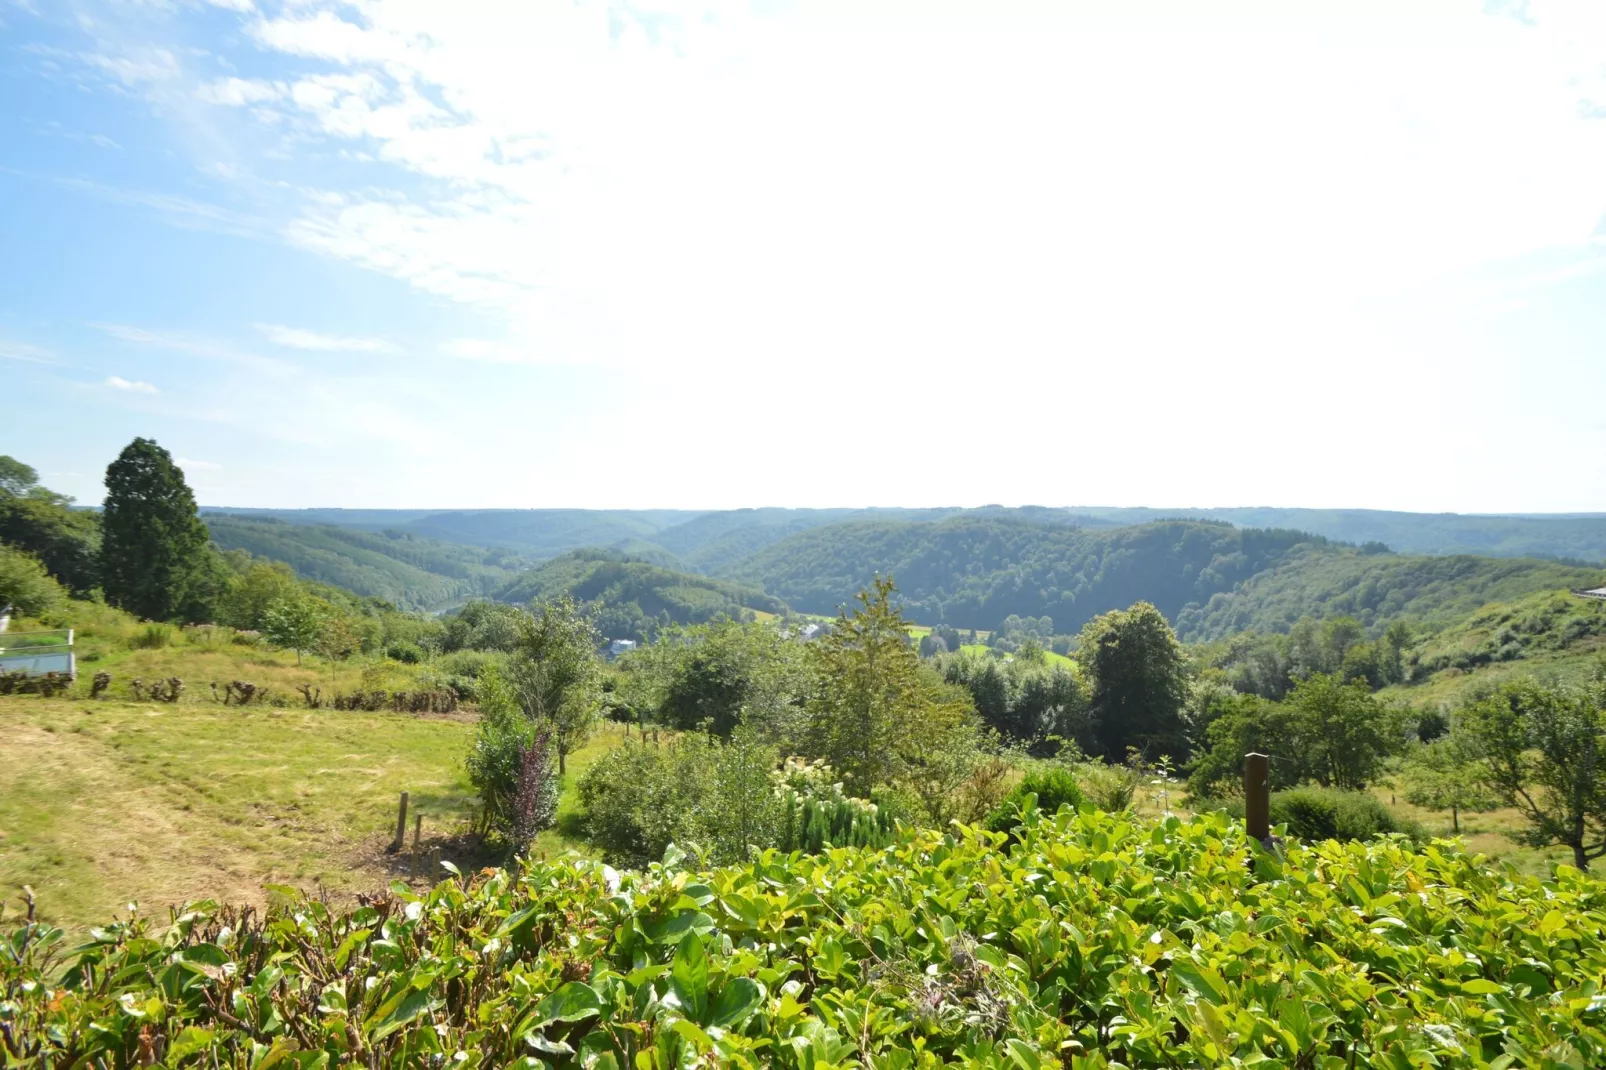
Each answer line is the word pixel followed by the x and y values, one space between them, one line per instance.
pixel 1257 796
pixel 401 826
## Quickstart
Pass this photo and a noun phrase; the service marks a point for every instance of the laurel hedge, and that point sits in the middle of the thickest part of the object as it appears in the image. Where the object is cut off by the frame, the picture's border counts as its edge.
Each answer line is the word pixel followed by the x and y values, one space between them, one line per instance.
pixel 1082 939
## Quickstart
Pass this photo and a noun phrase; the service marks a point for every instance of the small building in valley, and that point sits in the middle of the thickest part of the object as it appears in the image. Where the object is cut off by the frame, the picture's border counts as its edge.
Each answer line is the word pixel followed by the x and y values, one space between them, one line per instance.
pixel 1597 594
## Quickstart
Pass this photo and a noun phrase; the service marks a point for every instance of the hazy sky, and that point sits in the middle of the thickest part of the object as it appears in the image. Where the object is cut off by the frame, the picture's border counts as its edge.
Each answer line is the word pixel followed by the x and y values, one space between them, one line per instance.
pixel 517 253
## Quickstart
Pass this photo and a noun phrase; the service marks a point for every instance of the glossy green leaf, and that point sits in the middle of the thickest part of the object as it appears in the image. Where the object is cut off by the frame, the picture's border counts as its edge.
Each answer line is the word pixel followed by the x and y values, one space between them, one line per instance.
pixel 688 977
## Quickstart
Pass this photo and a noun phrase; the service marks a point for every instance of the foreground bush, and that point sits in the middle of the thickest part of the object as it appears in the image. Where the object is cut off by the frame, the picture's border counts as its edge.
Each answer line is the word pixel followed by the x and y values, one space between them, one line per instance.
pixel 1092 942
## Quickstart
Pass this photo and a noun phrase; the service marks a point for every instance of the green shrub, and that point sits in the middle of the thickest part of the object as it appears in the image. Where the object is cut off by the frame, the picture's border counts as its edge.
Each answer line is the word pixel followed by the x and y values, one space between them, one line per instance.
pixel 812 825
pixel 941 950
pixel 404 652
pixel 714 796
pixel 1109 787
pixel 25 585
pixel 154 636
pixel 508 764
pixel 1054 787
pixel 1313 814
pixel 470 663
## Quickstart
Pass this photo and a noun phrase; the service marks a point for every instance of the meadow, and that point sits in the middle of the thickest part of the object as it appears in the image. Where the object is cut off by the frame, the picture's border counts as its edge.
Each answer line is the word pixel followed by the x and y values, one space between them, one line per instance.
pixel 107 802
pixel 111 800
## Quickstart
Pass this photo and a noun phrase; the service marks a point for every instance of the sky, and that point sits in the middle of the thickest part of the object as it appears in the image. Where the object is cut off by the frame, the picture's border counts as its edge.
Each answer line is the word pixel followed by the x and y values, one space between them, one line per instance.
pixel 514 253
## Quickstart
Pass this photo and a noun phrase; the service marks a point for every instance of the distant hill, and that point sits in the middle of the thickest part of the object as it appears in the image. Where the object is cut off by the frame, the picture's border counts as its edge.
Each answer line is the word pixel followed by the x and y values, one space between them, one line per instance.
pixel 535 533
pixel 634 597
pixel 973 571
pixel 1580 537
pixel 716 541
pixel 408 570
pixel 1210 578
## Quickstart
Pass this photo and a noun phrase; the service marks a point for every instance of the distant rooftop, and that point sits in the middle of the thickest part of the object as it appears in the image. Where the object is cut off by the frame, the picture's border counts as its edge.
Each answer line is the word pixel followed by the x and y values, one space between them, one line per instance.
pixel 1598 593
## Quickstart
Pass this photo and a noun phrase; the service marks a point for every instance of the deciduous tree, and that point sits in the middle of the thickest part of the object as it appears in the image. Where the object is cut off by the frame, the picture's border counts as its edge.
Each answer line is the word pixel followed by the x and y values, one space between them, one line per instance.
pixel 1139 680
pixel 557 674
pixel 1446 775
pixel 868 703
pixel 1543 753
pixel 24 585
pixel 1342 732
pixel 296 623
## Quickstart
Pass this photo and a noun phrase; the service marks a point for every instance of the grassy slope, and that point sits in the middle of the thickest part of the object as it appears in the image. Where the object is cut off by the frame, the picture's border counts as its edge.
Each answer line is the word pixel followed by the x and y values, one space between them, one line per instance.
pixel 1548 634
pixel 1374 588
pixel 112 800
pixel 103 802
pixel 107 802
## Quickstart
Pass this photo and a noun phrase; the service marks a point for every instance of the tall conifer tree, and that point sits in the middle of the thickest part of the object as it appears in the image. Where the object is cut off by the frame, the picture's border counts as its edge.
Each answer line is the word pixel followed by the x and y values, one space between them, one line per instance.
pixel 153 555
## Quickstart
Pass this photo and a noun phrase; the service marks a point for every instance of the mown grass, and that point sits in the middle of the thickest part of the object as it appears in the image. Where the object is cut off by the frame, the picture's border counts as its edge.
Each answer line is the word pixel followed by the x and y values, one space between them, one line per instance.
pixel 104 802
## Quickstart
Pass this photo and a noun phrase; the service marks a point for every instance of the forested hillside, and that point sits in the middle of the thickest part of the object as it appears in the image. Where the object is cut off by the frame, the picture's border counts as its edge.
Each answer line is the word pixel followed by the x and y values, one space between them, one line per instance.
pixel 632 597
pixel 1581 537
pixel 408 570
pixel 716 541
pixel 972 572
pixel 1210 578
pixel 1331 581
pixel 534 533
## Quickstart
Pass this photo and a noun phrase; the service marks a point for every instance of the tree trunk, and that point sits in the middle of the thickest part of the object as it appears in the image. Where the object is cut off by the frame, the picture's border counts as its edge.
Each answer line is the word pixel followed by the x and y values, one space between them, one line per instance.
pixel 1455 819
pixel 562 763
pixel 1580 859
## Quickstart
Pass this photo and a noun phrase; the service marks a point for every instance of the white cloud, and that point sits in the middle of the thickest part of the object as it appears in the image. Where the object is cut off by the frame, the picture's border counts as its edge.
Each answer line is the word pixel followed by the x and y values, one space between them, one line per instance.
pixel 25 352
pixel 187 464
pixel 136 69
pixel 194 345
pixel 490 351
pixel 687 185
pixel 133 386
pixel 237 92
pixel 178 210
pixel 295 338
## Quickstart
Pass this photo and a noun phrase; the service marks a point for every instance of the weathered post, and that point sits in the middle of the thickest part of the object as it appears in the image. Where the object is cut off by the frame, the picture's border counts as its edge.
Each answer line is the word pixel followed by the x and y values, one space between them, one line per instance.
pixel 401 826
pixel 418 829
pixel 1257 796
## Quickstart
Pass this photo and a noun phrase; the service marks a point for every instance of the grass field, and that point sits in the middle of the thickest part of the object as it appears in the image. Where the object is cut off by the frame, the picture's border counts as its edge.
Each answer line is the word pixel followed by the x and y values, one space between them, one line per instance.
pixel 102 803
pixel 107 802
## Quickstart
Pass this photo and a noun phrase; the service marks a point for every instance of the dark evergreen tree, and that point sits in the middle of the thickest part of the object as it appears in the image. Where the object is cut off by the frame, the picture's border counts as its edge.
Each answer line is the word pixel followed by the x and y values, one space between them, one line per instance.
pixel 155 558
